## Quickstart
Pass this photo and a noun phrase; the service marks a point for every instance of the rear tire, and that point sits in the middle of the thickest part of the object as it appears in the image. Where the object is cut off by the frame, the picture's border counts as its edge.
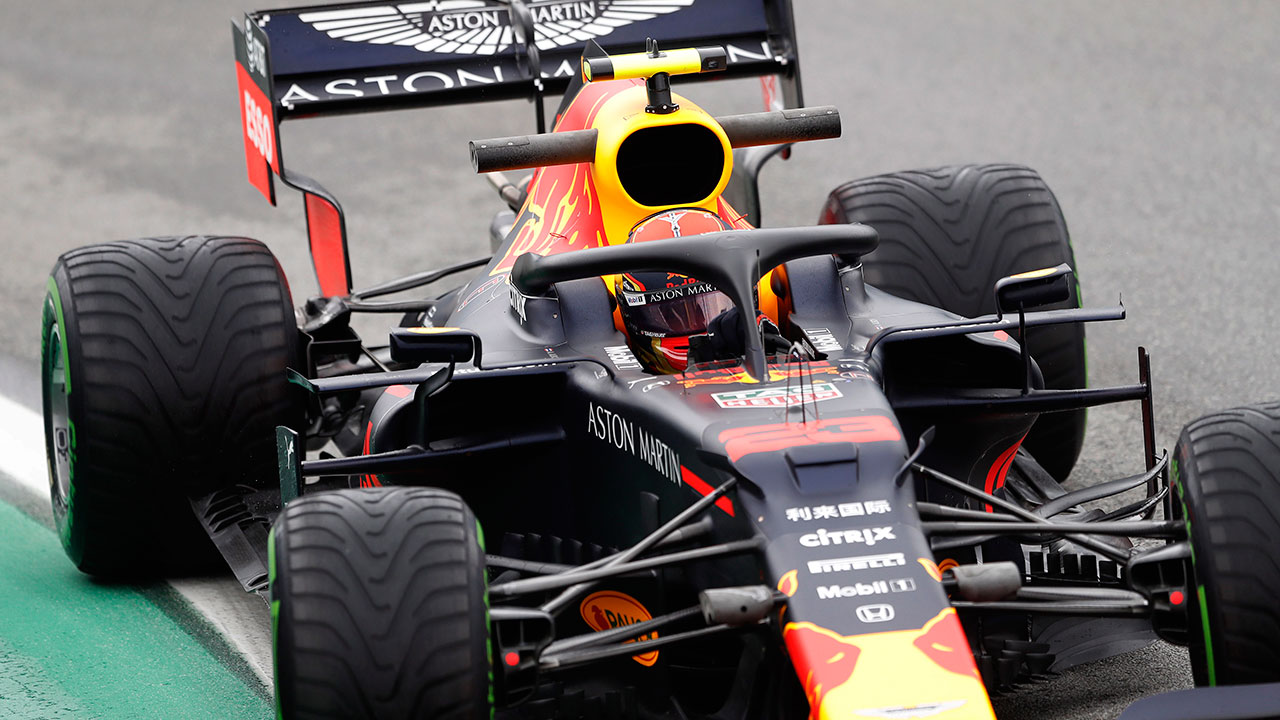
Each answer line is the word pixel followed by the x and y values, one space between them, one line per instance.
pixel 947 235
pixel 1227 474
pixel 163 371
pixel 379 607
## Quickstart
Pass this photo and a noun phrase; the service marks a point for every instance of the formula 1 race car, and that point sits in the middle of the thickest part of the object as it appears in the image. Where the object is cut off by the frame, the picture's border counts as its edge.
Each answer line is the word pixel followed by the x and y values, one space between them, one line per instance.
pixel 841 496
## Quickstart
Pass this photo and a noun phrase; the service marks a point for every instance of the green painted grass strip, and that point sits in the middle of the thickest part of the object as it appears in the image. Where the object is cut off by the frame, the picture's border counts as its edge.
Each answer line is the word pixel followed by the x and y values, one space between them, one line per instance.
pixel 100 649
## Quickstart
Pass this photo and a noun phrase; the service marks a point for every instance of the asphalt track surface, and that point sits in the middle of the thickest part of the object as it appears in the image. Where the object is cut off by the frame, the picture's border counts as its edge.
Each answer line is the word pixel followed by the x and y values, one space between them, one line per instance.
pixel 1154 122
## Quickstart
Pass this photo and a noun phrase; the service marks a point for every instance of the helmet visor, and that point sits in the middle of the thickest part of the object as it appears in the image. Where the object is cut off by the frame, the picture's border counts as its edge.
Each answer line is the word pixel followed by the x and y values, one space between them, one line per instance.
pixel 683 310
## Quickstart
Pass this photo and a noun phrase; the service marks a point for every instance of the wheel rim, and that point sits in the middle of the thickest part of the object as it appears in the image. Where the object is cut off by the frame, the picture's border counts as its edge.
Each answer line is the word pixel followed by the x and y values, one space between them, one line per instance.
pixel 58 419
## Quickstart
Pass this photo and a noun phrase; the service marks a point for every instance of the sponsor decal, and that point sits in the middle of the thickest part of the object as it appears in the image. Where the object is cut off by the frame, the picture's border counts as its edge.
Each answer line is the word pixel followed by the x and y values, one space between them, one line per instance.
pixel 551 353
pixel 861 562
pixel 302 92
pixel 854 370
pixel 867 536
pixel 625 435
pixel 916 672
pixel 258 127
pixel 607 609
pixel 823 340
pixel 255 51
pixel 477 27
pixel 851 375
pixel 485 286
pixel 737 375
pixel 875 587
pixel 777 396
pixel 647 383
pixel 789 583
pixel 877 613
pixel 518 303
pixel 944 642
pixel 622 357
pixel 931 567
pixel 806 347
pixel 852 509
pixel 670 293
pixel 780 436
pixel 563 210
pixel 256 112
pixel 823 660
pixel 772 95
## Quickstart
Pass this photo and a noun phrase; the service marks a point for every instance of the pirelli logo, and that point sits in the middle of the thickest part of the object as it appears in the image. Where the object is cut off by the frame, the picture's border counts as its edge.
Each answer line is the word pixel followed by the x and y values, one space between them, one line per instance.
pixel 860 562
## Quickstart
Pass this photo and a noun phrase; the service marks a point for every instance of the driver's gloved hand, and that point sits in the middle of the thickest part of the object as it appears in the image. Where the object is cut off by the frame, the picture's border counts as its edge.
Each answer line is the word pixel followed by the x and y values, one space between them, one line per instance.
pixel 774 342
pixel 724 338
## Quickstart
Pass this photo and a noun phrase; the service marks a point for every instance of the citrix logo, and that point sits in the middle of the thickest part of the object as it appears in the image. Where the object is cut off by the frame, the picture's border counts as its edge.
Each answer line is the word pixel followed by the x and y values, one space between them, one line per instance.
pixel 867 536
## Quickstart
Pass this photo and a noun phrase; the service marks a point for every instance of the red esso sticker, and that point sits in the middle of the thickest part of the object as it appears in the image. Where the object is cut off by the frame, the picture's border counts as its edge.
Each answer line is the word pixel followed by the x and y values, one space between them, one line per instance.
pixel 258 127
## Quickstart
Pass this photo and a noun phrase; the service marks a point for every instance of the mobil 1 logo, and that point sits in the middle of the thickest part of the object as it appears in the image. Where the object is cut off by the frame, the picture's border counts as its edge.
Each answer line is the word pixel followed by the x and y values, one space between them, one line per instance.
pixel 866 589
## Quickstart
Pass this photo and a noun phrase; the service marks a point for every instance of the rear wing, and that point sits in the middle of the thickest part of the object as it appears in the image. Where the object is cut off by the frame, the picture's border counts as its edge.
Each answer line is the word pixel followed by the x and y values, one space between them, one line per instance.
pixel 367 56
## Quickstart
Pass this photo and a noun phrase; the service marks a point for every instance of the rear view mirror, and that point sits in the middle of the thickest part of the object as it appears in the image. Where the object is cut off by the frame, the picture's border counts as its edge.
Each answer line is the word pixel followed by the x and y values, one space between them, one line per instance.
pixel 434 344
pixel 1032 289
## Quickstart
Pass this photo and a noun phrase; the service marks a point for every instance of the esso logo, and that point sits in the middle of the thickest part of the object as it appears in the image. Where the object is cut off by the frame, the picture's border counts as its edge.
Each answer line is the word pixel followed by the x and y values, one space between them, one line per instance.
pixel 258 127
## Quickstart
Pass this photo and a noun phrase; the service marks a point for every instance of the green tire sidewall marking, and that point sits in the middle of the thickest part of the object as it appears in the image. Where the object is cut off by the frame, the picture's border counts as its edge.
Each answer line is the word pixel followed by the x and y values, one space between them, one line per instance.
pixel 52 288
pixel 275 617
pixel 53 300
pixel 1208 645
pixel 1200 594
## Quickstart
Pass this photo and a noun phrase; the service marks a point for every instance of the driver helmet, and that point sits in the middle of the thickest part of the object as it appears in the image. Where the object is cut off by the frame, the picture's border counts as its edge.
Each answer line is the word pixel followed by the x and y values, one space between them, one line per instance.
pixel 661 310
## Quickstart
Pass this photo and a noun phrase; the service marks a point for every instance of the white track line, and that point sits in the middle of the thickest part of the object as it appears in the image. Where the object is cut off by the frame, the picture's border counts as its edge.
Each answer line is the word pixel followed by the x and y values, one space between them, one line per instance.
pixel 22 447
pixel 241 618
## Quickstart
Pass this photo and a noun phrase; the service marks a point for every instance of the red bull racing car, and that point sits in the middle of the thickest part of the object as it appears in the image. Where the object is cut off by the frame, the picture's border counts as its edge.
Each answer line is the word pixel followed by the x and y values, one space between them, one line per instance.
pixel 646 460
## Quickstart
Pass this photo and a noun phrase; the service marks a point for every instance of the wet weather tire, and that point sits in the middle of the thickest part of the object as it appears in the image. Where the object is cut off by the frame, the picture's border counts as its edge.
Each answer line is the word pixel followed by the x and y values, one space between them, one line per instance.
pixel 947 235
pixel 379 607
pixel 1227 475
pixel 163 372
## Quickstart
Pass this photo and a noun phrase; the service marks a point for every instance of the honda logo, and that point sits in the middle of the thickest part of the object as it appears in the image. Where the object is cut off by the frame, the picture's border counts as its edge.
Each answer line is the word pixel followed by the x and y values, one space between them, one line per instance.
pixel 875 613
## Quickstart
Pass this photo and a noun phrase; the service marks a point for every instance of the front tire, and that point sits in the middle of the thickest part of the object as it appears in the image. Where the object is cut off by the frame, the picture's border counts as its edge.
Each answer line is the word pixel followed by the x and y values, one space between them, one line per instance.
pixel 379 607
pixel 947 235
pixel 163 371
pixel 1227 474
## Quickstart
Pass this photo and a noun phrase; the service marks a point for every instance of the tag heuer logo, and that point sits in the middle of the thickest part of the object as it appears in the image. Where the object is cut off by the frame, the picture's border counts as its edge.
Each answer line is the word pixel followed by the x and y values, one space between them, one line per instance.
pixel 777 396
pixel 483 27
